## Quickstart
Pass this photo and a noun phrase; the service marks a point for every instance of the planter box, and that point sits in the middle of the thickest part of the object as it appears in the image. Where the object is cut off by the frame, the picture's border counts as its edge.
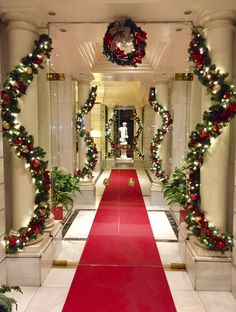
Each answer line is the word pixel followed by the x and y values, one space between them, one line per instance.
pixel 57 212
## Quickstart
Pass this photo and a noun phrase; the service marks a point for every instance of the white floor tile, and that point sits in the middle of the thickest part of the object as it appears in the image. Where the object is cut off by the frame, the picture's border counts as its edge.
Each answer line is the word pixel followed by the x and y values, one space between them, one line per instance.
pixel 60 277
pixel 169 252
pixel 178 280
pixel 218 301
pixel 48 299
pixel 160 225
pixel 81 225
pixel 187 301
pixel 23 300
pixel 149 206
pixel 71 250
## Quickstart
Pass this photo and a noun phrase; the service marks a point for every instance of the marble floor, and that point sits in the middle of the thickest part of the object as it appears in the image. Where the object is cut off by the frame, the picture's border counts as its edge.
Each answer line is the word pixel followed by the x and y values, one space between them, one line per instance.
pixel 55 288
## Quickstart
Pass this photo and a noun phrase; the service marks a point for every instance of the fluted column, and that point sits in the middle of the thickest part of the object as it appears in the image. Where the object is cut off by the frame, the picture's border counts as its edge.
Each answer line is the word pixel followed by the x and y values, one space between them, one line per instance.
pixel 195 104
pixel 20 34
pixel 110 112
pixel 162 92
pixel 44 110
pixel 214 173
pixel 88 194
pixel 83 93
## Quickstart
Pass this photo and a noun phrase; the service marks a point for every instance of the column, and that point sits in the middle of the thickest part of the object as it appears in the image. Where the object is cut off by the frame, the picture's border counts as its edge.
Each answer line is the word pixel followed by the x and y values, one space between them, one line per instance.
pixel 83 93
pixel 88 190
pixel 20 35
pixel 162 92
pixel 110 112
pixel 44 110
pixel 194 112
pixel 214 172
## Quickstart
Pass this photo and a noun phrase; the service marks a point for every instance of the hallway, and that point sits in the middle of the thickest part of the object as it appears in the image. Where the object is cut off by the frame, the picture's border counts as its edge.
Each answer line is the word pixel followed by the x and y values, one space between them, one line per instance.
pixel 56 286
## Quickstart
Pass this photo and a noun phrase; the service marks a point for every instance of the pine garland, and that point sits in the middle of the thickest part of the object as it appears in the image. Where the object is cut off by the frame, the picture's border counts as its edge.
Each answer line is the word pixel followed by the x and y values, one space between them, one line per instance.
pixel 137 135
pixel 167 121
pixel 215 119
pixel 15 87
pixel 108 133
pixel 92 153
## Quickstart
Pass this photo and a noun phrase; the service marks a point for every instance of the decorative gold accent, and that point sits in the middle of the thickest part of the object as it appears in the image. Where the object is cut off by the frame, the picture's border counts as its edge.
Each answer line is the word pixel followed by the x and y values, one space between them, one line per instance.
pixel 55 76
pixel 183 76
pixel 106 181
pixel 131 182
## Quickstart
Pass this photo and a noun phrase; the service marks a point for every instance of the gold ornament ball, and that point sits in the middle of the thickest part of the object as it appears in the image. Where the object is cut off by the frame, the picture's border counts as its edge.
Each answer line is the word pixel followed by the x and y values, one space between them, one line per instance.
pixel 217 87
pixel 29 70
pixel 25 150
pixel 5 125
pixel 198 219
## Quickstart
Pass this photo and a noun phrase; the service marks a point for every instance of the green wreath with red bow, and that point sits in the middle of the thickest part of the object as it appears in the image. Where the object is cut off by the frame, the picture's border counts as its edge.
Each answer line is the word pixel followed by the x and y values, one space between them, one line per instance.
pixel 121 34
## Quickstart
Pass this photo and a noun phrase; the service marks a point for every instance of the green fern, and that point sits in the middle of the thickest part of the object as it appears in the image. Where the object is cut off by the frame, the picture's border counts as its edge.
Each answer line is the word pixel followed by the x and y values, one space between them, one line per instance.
pixel 6 303
pixel 175 189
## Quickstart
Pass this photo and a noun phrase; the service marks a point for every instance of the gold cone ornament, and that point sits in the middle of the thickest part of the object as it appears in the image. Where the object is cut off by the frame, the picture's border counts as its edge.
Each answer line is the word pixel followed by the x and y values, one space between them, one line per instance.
pixel 131 182
pixel 106 181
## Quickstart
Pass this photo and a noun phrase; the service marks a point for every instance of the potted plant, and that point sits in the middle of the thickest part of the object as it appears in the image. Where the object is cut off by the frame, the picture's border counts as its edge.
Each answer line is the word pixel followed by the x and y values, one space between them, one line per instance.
pixel 175 191
pixel 64 186
pixel 6 303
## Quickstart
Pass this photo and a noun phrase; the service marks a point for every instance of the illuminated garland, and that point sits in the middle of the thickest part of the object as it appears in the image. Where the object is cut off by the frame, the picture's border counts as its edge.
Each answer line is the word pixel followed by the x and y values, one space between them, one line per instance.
pixel 159 136
pixel 92 153
pixel 108 133
pixel 214 120
pixel 15 87
pixel 130 33
pixel 136 137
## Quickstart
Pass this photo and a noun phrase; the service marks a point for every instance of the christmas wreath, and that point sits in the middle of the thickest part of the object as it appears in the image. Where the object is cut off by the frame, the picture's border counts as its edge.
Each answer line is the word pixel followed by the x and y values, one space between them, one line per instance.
pixel 122 36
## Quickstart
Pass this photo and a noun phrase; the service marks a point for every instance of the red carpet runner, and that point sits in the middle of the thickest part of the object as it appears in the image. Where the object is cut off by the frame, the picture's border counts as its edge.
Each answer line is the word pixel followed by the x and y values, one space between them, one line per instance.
pixel 120 269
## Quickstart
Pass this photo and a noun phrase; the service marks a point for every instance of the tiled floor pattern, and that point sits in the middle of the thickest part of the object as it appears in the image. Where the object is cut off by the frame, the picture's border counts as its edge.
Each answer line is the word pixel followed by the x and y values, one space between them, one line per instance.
pixel 51 296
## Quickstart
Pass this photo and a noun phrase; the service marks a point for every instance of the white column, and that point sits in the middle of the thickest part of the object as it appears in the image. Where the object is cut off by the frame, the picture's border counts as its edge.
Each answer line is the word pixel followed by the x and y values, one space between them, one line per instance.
pixel 110 112
pixel 20 36
pixel 139 143
pixel 194 114
pixel 83 93
pixel 44 110
pixel 162 93
pixel 214 172
pixel 88 189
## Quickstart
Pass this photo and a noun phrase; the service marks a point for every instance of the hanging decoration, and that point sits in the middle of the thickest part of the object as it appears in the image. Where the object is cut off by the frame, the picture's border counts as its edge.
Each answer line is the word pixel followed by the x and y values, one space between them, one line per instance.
pixel 92 153
pixel 124 35
pixel 215 119
pixel 108 134
pixel 167 121
pixel 15 87
pixel 137 135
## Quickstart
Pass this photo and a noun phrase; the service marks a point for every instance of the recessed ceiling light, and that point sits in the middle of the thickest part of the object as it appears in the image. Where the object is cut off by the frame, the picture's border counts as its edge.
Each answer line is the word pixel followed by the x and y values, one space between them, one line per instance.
pixel 187 12
pixel 52 13
pixel 63 30
pixel 179 29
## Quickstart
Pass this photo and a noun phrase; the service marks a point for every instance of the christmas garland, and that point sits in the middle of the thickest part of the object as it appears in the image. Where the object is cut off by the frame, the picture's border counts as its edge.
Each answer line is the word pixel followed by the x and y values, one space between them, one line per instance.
pixel 130 33
pixel 215 119
pixel 159 136
pixel 108 133
pixel 15 87
pixel 92 153
pixel 136 137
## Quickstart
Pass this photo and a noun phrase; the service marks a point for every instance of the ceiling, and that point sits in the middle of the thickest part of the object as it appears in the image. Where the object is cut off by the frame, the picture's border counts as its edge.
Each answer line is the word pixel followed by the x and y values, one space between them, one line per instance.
pixel 78 28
